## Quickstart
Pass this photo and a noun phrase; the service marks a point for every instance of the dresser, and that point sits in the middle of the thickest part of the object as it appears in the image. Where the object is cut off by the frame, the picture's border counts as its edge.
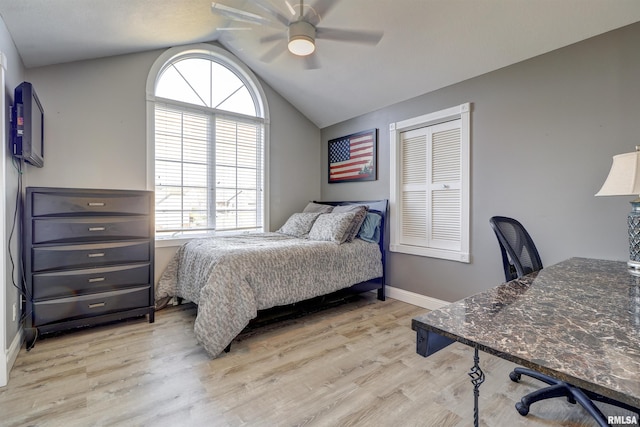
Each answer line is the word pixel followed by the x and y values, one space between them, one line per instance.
pixel 88 257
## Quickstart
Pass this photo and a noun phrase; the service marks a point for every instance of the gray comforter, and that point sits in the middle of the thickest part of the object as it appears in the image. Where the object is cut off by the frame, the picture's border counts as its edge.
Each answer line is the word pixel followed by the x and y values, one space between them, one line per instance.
pixel 231 278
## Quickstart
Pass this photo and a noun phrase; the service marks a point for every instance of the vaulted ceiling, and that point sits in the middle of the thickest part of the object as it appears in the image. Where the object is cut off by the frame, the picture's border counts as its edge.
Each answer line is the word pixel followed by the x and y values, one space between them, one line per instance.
pixel 426 44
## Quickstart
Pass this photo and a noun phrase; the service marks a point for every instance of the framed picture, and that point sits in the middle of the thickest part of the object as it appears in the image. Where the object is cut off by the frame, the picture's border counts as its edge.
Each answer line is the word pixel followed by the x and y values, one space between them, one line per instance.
pixel 353 157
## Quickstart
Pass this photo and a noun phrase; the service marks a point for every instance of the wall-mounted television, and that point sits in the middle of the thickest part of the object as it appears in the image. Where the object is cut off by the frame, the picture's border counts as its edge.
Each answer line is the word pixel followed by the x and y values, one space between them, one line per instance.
pixel 28 125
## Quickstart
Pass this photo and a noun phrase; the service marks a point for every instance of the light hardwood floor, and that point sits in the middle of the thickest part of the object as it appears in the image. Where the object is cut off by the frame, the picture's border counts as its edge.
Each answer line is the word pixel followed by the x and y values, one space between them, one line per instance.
pixel 351 365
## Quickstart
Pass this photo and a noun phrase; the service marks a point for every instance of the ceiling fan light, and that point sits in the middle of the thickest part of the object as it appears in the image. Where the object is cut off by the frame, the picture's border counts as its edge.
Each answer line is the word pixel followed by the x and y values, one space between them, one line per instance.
pixel 302 38
pixel 301 46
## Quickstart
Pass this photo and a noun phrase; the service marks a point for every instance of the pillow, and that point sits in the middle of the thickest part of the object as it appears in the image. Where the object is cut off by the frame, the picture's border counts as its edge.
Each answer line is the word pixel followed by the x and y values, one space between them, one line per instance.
pixel 332 227
pixel 317 207
pixel 370 230
pixel 299 224
pixel 360 212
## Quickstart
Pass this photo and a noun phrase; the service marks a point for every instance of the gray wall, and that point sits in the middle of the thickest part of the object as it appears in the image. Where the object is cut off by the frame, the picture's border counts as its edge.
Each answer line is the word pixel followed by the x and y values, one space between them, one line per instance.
pixel 13 77
pixel 95 130
pixel 542 135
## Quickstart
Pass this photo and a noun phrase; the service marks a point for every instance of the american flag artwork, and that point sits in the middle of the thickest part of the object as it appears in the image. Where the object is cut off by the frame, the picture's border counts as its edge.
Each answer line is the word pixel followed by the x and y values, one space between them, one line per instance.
pixel 353 157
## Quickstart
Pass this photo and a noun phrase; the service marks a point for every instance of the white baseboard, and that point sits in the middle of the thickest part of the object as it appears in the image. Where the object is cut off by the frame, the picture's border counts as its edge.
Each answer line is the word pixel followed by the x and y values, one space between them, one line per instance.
pixel 415 299
pixel 8 358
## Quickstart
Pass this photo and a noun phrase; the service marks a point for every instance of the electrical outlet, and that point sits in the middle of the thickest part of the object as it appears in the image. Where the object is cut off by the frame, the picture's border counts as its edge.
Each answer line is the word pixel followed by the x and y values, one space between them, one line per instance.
pixel 14 311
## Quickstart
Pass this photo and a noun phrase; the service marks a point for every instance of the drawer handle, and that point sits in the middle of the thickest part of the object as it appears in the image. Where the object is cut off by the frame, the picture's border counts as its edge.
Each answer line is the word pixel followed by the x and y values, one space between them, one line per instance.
pixel 99 254
pixel 97 228
pixel 97 305
pixel 96 279
pixel 96 204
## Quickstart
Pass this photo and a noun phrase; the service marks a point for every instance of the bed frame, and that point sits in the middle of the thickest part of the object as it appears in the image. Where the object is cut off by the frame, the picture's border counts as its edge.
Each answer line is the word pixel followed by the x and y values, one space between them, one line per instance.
pixel 271 315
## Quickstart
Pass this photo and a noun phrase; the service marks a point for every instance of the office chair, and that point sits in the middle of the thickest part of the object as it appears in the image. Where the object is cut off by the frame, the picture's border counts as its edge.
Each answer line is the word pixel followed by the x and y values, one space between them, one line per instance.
pixel 520 257
pixel 519 253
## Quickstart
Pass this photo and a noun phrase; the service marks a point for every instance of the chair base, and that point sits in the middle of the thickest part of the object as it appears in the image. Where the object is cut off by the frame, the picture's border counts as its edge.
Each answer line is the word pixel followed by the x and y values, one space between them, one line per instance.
pixel 573 394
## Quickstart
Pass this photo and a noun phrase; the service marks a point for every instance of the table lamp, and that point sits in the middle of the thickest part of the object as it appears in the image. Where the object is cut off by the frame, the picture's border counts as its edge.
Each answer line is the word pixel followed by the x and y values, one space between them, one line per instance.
pixel 624 180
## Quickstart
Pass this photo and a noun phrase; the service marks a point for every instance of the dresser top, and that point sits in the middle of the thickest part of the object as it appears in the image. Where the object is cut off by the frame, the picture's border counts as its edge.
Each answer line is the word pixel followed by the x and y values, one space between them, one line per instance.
pixel 578 321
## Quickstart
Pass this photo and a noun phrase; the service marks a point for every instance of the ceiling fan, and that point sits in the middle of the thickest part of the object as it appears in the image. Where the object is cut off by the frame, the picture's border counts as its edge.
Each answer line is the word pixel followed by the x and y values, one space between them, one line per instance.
pixel 302 28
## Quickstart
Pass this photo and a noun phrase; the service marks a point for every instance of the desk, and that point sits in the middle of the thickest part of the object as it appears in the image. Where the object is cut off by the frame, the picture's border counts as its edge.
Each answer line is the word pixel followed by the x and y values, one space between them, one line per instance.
pixel 578 321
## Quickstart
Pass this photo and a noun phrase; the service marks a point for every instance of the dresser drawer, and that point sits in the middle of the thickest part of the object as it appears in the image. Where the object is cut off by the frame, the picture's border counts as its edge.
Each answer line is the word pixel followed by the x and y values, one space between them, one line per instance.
pixel 89 281
pixel 82 203
pixel 67 230
pixel 89 305
pixel 90 255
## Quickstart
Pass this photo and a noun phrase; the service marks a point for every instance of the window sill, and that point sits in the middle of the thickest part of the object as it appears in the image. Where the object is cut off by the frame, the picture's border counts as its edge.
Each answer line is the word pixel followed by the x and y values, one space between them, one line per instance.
pixel 170 242
pixel 431 252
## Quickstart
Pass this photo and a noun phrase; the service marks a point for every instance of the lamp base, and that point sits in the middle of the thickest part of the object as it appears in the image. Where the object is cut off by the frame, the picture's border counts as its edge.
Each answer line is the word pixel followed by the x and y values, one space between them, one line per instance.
pixel 633 222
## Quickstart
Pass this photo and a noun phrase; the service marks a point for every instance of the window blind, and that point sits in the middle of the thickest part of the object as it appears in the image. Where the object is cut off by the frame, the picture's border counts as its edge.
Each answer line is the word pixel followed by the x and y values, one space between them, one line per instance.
pixel 208 172
pixel 238 164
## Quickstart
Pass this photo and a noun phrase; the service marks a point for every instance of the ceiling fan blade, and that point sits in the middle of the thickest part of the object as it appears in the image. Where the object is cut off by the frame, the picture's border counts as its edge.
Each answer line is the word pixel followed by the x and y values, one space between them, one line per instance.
pixel 321 8
pixel 311 62
pixel 291 9
pixel 239 15
pixel 351 36
pixel 273 37
pixel 264 5
pixel 233 29
pixel 274 52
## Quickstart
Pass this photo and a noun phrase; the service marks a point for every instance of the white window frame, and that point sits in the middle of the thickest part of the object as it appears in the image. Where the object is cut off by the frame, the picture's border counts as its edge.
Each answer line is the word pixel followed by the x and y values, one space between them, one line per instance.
pixel 461 112
pixel 251 81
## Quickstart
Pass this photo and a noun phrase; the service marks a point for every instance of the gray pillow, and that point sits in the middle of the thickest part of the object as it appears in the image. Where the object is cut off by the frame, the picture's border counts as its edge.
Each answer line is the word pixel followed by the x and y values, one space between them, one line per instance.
pixel 332 227
pixel 299 224
pixel 317 207
pixel 360 213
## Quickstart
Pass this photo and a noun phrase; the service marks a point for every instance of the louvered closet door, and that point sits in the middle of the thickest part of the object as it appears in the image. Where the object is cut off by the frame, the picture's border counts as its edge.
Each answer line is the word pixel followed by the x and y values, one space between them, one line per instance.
pixel 431 186
pixel 414 188
pixel 445 186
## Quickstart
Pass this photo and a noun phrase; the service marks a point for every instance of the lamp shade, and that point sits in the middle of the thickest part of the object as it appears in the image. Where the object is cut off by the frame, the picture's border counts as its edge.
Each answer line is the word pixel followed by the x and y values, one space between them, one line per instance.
pixel 624 176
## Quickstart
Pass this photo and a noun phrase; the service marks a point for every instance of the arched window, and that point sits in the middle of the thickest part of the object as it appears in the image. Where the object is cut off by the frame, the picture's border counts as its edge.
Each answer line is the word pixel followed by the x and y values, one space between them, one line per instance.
pixel 207 138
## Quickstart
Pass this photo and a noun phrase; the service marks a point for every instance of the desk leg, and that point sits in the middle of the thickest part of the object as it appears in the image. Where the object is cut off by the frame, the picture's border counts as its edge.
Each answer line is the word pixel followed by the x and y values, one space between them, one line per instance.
pixel 477 378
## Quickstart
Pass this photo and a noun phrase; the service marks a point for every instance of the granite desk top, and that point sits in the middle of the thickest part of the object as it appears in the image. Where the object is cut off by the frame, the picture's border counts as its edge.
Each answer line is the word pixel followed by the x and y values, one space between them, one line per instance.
pixel 578 321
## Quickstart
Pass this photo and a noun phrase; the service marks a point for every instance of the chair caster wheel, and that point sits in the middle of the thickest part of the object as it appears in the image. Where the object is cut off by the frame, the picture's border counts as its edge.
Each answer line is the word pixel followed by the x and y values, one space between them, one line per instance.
pixel 515 377
pixel 522 409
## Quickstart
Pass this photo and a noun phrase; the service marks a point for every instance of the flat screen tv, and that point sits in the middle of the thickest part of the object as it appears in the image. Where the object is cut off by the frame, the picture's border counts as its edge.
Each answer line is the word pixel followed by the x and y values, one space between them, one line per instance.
pixel 28 125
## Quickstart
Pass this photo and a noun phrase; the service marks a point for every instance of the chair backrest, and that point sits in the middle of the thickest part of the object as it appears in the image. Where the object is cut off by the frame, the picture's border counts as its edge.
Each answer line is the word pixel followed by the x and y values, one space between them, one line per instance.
pixel 519 253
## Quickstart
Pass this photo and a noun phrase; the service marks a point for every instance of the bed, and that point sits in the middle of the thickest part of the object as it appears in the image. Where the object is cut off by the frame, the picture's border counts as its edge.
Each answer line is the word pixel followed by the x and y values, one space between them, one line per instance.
pixel 328 247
